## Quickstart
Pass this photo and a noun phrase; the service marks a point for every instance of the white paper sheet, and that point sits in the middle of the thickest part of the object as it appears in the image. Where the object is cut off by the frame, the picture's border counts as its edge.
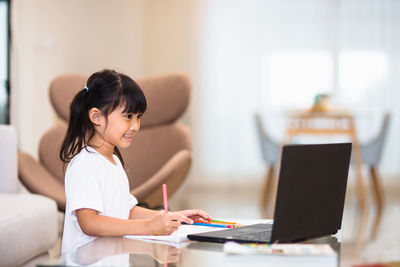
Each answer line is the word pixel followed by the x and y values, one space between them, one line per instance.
pixel 179 235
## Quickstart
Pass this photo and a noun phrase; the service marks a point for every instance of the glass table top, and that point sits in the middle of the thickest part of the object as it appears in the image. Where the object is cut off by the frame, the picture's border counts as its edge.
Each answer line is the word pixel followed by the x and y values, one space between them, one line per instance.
pixel 119 251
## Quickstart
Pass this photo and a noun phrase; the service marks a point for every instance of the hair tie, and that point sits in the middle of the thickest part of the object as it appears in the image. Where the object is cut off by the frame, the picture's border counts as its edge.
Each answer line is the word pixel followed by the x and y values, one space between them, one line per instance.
pixel 87 89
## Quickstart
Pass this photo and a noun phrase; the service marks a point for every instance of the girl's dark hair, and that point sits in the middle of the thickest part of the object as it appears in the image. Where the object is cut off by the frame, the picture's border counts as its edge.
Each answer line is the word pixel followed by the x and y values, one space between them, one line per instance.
pixel 105 90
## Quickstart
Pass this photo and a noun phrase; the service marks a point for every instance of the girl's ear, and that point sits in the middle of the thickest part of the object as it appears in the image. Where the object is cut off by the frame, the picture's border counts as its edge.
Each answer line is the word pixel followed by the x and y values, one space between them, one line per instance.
pixel 95 116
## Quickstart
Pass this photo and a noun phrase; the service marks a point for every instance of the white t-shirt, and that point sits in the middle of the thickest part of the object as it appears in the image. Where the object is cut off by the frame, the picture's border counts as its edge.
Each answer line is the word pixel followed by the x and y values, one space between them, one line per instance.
pixel 93 182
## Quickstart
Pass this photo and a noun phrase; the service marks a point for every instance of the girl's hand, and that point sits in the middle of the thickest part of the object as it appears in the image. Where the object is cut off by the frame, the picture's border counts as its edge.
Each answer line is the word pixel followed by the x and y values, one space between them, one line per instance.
pixel 188 216
pixel 165 223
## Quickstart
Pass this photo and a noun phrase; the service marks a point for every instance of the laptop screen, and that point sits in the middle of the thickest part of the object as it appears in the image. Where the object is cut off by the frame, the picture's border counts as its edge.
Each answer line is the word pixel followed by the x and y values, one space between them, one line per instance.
pixel 311 191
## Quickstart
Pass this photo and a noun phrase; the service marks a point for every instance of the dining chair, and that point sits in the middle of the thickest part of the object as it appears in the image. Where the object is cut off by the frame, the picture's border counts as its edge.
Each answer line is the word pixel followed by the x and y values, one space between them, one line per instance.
pixel 270 151
pixel 371 154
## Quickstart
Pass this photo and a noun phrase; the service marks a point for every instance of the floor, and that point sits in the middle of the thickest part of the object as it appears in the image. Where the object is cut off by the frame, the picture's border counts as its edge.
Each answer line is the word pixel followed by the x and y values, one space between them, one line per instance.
pixel 241 202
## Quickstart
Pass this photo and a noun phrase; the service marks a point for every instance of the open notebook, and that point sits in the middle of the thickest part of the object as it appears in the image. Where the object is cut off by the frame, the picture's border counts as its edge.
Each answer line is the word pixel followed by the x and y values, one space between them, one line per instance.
pixel 176 237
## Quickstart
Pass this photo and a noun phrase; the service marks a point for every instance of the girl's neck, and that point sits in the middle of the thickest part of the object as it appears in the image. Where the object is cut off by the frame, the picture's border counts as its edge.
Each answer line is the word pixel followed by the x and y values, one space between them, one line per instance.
pixel 103 147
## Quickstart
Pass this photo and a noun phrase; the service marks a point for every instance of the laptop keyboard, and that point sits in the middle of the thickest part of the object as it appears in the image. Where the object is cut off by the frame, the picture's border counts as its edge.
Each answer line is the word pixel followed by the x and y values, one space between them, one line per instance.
pixel 250 233
pixel 258 236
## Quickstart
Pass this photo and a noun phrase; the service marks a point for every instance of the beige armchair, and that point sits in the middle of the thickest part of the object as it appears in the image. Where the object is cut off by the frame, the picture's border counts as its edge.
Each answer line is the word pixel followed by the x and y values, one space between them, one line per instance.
pixel 160 152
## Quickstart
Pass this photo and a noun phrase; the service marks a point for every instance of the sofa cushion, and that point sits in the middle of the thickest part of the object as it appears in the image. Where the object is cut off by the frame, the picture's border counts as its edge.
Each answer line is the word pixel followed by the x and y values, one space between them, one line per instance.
pixel 28 227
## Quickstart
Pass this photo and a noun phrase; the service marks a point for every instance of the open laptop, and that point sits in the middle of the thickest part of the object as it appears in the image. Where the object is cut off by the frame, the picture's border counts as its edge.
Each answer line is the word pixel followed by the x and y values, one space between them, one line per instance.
pixel 309 201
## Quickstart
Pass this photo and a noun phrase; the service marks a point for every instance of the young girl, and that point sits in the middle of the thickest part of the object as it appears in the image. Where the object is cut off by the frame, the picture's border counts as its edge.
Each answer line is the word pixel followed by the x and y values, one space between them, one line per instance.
pixel 106 115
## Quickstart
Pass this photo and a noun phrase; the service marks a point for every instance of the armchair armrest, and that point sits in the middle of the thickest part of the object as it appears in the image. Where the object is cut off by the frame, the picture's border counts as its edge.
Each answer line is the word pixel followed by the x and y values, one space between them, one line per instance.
pixel 8 159
pixel 38 180
pixel 173 172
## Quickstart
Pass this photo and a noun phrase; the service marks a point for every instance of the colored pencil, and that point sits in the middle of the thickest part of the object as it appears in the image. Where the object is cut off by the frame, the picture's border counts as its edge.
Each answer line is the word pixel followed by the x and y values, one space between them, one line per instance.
pixel 218 221
pixel 213 225
pixel 165 197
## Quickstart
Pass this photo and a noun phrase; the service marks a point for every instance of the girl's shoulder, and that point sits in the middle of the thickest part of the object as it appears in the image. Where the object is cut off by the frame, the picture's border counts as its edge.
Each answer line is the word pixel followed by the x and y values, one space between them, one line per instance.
pixel 85 167
pixel 87 156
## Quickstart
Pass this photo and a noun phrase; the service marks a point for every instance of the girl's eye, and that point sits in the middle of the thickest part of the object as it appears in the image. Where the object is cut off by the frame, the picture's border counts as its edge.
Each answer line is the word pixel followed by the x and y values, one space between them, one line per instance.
pixel 128 116
pixel 140 116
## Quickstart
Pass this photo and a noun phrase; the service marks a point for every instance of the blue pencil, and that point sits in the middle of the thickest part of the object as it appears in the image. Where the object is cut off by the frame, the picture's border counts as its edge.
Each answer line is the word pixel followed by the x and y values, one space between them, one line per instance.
pixel 212 225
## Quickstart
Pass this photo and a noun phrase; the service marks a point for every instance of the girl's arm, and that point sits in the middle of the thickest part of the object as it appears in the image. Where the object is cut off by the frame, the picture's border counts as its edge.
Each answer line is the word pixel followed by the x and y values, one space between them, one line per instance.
pixel 143 213
pixel 145 222
pixel 94 224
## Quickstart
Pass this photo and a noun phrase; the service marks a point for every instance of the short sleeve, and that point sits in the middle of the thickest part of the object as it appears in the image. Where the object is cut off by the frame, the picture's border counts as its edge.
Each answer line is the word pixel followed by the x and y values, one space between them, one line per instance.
pixel 83 188
pixel 132 201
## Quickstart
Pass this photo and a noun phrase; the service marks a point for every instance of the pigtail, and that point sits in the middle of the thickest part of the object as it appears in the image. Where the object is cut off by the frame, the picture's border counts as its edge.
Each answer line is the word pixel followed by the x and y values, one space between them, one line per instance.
pixel 80 129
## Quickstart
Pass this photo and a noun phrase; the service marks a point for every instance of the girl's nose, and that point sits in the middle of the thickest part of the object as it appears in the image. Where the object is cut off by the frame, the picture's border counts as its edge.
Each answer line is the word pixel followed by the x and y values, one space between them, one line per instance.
pixel 135 125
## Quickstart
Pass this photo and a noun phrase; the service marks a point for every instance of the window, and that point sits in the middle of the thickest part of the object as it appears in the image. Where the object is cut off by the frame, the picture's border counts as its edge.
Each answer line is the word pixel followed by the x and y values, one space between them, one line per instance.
pixel 361 73
pixel 294 78
pixel 4 62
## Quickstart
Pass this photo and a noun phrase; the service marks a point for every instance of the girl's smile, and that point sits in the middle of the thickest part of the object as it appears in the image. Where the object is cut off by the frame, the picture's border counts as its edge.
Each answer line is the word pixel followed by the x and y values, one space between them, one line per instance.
pixel 128 137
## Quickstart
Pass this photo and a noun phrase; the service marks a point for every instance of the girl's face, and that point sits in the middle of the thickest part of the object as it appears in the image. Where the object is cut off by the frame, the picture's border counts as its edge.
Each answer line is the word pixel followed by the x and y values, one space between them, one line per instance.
pixel 120 127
